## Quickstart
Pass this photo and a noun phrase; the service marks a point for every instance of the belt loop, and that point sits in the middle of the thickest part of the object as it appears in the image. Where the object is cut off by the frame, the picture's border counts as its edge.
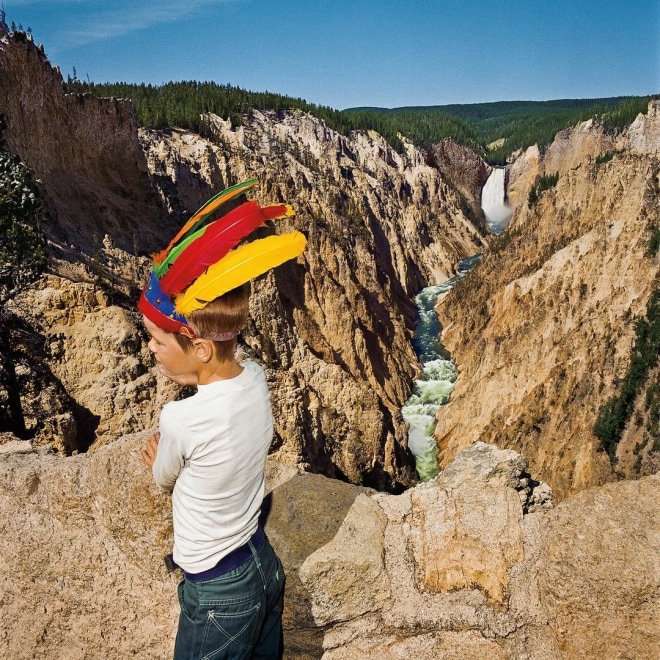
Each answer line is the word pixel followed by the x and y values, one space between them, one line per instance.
pixel 257 562
pixel 253 551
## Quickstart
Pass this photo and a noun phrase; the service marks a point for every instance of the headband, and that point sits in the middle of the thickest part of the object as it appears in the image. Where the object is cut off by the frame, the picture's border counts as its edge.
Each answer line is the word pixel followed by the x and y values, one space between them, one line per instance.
pixel 200 263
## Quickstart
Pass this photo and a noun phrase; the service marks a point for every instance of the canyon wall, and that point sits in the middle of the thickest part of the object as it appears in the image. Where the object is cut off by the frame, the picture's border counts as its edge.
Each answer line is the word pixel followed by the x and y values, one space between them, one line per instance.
pixel 332 329
pixel 379 226
pixel 466 171
pixel 542 330
pixel 80 356
pixel 83 151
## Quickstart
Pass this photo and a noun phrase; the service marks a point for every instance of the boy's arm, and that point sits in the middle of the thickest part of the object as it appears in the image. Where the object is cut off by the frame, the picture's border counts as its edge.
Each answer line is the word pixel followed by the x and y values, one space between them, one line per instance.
pixel 150 450
pixel 163 454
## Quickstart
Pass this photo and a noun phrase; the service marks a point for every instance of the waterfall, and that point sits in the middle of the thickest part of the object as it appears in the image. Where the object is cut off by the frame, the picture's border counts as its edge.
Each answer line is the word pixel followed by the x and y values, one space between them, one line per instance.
pixel 493 200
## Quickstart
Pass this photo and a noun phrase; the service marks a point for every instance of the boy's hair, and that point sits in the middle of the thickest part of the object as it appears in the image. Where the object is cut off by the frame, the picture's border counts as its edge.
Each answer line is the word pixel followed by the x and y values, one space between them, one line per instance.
pixel 227 313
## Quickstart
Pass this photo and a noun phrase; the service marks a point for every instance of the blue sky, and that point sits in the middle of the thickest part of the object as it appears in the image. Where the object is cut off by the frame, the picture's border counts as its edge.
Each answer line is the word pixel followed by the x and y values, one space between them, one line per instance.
pixel 346 53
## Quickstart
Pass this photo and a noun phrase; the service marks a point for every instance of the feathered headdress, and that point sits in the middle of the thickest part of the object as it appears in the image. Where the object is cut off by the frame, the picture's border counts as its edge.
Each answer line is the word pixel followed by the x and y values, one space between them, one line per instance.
pixel 200 263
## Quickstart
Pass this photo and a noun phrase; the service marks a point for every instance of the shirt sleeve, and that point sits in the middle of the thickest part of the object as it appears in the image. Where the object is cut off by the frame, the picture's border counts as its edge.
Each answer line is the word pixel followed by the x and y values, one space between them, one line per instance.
pixel 170 457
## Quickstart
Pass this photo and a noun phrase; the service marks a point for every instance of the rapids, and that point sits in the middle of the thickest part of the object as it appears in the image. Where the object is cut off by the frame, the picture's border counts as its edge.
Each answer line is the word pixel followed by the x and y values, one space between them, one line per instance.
pixel 436 382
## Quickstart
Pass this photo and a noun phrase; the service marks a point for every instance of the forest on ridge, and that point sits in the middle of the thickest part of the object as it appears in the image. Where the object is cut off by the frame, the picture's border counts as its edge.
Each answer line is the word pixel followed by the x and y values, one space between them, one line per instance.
pixel 493 130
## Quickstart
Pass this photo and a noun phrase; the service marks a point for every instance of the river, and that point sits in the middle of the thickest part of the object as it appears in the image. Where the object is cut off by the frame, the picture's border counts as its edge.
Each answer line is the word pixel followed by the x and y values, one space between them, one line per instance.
pixel 436 383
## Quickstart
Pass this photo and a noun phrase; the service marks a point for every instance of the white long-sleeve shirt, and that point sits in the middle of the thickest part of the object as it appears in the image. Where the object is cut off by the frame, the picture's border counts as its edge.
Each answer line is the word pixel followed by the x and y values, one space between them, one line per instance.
pixel 212 455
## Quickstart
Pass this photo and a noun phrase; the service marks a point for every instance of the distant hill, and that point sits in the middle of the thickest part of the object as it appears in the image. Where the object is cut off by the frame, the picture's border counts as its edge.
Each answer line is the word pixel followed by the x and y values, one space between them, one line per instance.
pixel 495 109
pixel 511 125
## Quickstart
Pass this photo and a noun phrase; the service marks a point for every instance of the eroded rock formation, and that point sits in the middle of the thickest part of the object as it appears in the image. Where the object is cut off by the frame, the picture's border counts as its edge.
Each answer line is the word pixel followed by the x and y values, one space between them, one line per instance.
pixel 333 329
pixel 542 329
pixel 84 152
pixel 466 171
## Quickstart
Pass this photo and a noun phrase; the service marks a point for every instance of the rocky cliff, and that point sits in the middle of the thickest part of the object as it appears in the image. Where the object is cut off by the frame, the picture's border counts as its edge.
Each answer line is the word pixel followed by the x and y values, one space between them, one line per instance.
pixel 333 330
pixel 474 564
pixel 84 152
pixel 78 351
pixel 463 168
pixel 542 329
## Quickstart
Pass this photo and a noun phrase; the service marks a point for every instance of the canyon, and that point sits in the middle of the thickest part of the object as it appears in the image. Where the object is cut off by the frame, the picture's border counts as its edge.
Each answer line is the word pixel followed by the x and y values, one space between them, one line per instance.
pixel 379 226
pixel 550 328
pixel 510 552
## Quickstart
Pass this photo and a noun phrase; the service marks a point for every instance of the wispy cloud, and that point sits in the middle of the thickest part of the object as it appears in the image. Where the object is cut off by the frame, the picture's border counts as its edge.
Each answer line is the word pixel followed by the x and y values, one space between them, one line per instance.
pixel 10 5
pixel 133 17
pixel 88 21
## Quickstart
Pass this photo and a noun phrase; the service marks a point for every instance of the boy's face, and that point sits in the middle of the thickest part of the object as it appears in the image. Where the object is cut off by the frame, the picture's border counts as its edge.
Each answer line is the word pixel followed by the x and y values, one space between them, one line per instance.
pixel 173 361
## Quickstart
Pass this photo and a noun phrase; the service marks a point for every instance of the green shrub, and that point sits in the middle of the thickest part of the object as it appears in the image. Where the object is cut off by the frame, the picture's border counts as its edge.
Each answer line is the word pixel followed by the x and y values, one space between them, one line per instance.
pixel 653 244
pixel 653 422
pixel 546 182
pixel 605 157
pixel 22 244
pixel 616 411
pixel 652 393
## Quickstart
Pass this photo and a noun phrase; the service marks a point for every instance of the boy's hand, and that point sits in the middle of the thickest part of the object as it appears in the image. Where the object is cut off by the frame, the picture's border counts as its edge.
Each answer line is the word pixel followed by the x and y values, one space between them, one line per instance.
pixel 151 449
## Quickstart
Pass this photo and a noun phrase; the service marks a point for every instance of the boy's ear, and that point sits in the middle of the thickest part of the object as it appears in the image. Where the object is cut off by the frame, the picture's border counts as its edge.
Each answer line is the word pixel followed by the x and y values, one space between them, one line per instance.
pixel 203 348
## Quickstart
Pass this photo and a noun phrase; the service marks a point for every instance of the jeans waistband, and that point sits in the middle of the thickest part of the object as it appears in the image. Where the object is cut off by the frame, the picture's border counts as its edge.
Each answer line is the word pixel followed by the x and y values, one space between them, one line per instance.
pixel 231 561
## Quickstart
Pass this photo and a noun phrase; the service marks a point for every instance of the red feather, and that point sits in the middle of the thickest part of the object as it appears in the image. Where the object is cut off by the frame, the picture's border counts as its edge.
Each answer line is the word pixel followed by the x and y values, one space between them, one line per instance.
pixel 204 212
pixel 216 241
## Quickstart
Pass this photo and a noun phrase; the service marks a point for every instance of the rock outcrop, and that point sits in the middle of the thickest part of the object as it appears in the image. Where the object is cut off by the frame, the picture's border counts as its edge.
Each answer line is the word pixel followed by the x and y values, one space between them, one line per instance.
pixel 542 329
pixel 80 353
pixel 97 354
pixel 462 573
pixel 573 146
pixel 476 563
pixel 84 153
pixel 466 171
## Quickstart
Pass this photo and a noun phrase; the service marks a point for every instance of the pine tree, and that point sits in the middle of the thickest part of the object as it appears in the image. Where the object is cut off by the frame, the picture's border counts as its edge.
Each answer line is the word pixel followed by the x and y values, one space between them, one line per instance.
pixel 22 259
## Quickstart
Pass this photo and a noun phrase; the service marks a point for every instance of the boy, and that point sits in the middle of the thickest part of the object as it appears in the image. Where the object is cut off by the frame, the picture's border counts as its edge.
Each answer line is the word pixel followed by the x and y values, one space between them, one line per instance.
pixel 211 450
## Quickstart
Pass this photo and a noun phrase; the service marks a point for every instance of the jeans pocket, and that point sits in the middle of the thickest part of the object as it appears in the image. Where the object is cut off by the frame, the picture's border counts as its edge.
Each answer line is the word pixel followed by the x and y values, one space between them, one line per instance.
pixel 276 589
pixel 232 630
pixel 182 602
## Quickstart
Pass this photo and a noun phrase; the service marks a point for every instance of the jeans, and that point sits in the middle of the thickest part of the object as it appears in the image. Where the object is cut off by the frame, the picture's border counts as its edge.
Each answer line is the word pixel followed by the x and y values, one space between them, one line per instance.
pixel 235 615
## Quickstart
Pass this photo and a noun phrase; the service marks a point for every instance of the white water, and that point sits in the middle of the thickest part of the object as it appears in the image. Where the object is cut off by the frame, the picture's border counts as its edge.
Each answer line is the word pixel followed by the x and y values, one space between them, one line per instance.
pixel 436 383
pixel 493 200
pixel 433 389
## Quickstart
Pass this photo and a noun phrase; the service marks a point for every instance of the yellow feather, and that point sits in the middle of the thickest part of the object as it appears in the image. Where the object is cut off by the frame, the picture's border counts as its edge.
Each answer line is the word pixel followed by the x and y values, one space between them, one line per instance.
pixel 238 267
